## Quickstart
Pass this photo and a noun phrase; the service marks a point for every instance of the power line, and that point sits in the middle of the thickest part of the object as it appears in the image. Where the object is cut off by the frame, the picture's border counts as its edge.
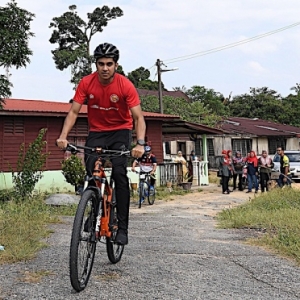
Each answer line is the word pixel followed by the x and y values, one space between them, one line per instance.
pixel 231 45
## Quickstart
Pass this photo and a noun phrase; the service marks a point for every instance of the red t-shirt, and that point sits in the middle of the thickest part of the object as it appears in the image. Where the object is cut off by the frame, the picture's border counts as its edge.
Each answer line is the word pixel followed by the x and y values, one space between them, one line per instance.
pixel 108 105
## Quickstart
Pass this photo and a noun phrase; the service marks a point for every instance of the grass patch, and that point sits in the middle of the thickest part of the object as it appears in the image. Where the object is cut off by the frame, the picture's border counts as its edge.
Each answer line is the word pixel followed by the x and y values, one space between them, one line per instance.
pixel 23 226
pixel 164 193
pixel 213 178
pixel 277 213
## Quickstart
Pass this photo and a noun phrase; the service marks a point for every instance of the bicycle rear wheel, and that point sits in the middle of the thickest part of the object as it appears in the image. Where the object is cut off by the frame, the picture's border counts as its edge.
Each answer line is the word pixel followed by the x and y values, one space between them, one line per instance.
pixel 151 195
pixel 83 242
pixel 114 251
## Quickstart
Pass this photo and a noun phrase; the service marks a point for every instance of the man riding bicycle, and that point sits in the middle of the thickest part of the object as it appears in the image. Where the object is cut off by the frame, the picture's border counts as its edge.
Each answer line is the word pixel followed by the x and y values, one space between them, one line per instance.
pixel 112 102
pixel 147 164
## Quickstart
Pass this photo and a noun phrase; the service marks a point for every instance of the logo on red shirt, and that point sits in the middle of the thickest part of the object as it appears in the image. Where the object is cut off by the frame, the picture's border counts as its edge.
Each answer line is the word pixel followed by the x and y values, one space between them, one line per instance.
pixel 114 98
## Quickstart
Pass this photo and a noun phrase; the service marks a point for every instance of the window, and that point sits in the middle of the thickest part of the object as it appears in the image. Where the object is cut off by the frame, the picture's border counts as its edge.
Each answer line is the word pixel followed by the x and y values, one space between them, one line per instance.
pixel 199 147
pixel 14 126
pixel 273 143
pixel 242 145
pixel 210 147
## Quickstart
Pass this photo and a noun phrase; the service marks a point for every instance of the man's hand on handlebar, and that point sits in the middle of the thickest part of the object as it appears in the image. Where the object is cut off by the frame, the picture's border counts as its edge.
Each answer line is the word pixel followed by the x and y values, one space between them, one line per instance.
pixel 62 143
pixel 137 151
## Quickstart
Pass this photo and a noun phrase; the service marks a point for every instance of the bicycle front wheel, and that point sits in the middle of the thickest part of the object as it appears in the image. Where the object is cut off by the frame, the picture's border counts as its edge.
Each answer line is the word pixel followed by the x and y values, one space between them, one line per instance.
pixel 151 195
pixel 114 251
pixel 83 242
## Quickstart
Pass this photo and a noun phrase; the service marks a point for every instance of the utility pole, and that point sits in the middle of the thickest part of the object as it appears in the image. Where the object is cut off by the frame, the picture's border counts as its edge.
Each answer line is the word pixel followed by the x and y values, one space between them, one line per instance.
pixel 159 71
pixel 158 64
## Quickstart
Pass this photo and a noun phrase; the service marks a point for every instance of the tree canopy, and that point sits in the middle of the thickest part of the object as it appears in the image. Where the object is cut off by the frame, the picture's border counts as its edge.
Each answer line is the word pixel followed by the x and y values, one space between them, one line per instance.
pixel 140 78
pixel 195 112
pixel 15 34
pixel 73 36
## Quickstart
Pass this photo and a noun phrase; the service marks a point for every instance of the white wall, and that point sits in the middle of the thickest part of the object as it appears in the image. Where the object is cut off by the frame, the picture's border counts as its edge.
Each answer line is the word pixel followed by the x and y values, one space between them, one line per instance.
pixel 292 144
pixel 221 143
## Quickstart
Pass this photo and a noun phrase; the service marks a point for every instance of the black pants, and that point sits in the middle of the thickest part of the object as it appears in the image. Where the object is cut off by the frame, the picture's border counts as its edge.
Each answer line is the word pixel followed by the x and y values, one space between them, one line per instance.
pixel 113 140
pixel 235 176
pixel 225 181
pixel 264 178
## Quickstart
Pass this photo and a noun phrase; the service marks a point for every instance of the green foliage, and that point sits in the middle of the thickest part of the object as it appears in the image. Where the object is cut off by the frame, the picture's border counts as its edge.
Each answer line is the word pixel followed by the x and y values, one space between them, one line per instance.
pixel 15 33
pixel 192 112
pixel 73 36
pixel 262 103
pixel 291 105
pixel 140 79
pixel 29 167
pixel 277 213
pixel 73 170
pixel 5 92
pixel 29 218
pixel 209 98
pixel 120 70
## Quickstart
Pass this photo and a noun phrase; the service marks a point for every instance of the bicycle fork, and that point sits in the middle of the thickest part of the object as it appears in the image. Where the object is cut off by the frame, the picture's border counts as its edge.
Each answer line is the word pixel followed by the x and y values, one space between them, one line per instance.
pixel 100 209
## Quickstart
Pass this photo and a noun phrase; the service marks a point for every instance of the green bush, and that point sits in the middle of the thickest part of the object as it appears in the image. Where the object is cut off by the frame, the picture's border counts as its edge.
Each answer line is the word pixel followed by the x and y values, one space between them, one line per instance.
pixel 29 167
pixel 73 170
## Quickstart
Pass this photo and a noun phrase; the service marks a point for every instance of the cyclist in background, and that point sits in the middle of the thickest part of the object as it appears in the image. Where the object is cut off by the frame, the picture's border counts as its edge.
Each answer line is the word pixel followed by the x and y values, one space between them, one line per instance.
pixel 113 105
pixel 147 164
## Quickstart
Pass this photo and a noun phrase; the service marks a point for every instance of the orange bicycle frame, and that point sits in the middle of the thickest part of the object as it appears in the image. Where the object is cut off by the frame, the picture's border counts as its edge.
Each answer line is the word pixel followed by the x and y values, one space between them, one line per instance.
pixel 106 193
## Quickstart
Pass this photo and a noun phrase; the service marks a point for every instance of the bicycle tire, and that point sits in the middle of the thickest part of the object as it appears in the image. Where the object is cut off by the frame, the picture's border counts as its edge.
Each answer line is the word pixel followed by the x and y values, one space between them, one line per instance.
pixel 141 193
pixel 151 195
pixel 114 251
pixel 80 267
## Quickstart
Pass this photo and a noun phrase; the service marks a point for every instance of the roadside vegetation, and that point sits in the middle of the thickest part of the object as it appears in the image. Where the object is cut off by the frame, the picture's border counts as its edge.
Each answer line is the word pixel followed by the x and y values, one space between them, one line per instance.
pixel 276 214
pixel 24 225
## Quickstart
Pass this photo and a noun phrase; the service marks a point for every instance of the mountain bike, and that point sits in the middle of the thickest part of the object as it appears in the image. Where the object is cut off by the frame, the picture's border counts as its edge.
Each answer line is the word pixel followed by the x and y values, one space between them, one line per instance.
pixel 145 189
pixel 95 219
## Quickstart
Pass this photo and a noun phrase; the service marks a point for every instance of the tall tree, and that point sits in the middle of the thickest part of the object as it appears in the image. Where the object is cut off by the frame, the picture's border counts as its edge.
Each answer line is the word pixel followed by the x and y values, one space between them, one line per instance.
pixel 291 105
pixel 140 78
pixel 73 36
pixel 214 101
pixel 192 112
pixel 15 34
pixel 262 103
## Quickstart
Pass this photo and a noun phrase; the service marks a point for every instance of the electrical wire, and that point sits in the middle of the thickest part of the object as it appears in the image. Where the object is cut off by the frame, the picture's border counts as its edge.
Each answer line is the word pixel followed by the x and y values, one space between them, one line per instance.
pixel 231 45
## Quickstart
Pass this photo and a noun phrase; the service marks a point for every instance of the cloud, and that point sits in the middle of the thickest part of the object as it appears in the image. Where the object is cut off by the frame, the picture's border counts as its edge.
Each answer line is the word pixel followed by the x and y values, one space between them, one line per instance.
pixel 167 29
pixel 256 67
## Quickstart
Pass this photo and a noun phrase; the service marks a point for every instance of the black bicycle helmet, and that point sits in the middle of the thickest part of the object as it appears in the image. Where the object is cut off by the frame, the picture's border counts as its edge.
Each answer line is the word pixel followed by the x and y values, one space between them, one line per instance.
pixel 107 50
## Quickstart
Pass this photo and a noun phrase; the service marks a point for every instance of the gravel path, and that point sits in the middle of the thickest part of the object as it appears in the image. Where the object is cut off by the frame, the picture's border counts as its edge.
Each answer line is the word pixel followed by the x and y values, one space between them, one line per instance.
pixel 174 252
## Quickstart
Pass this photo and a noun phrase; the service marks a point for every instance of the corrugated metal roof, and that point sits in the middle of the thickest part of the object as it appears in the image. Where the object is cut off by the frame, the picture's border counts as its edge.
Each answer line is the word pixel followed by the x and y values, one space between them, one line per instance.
pixel 41 106
pixel 258 127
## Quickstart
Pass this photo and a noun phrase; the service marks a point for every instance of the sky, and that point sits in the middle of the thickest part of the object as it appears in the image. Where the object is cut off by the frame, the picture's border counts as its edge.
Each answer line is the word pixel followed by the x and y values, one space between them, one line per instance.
pixel 167 29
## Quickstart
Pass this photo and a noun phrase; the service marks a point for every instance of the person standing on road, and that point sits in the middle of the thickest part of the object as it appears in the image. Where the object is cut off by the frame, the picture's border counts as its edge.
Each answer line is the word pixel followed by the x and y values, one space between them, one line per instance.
pixel 113 105
pixel 285 175
pixel 180 159
pixel 238 163
pixel 225 167
pixel 265 164
pixel 252 172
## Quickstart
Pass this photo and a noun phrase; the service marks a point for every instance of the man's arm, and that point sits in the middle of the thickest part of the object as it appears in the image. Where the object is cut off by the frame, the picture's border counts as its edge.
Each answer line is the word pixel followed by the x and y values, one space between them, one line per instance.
pixel 140 128
pixel 68 125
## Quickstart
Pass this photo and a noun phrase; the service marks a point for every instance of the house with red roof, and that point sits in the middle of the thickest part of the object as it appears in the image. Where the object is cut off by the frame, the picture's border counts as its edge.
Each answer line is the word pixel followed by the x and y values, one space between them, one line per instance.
pixel 21 120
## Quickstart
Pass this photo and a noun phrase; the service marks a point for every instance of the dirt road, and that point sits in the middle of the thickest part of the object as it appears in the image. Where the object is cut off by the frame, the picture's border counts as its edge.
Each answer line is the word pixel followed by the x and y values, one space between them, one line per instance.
pixel 174 252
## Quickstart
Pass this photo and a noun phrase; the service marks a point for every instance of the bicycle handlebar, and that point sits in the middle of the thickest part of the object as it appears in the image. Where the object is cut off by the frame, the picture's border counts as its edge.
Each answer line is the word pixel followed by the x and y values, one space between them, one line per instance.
pixel 100 151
